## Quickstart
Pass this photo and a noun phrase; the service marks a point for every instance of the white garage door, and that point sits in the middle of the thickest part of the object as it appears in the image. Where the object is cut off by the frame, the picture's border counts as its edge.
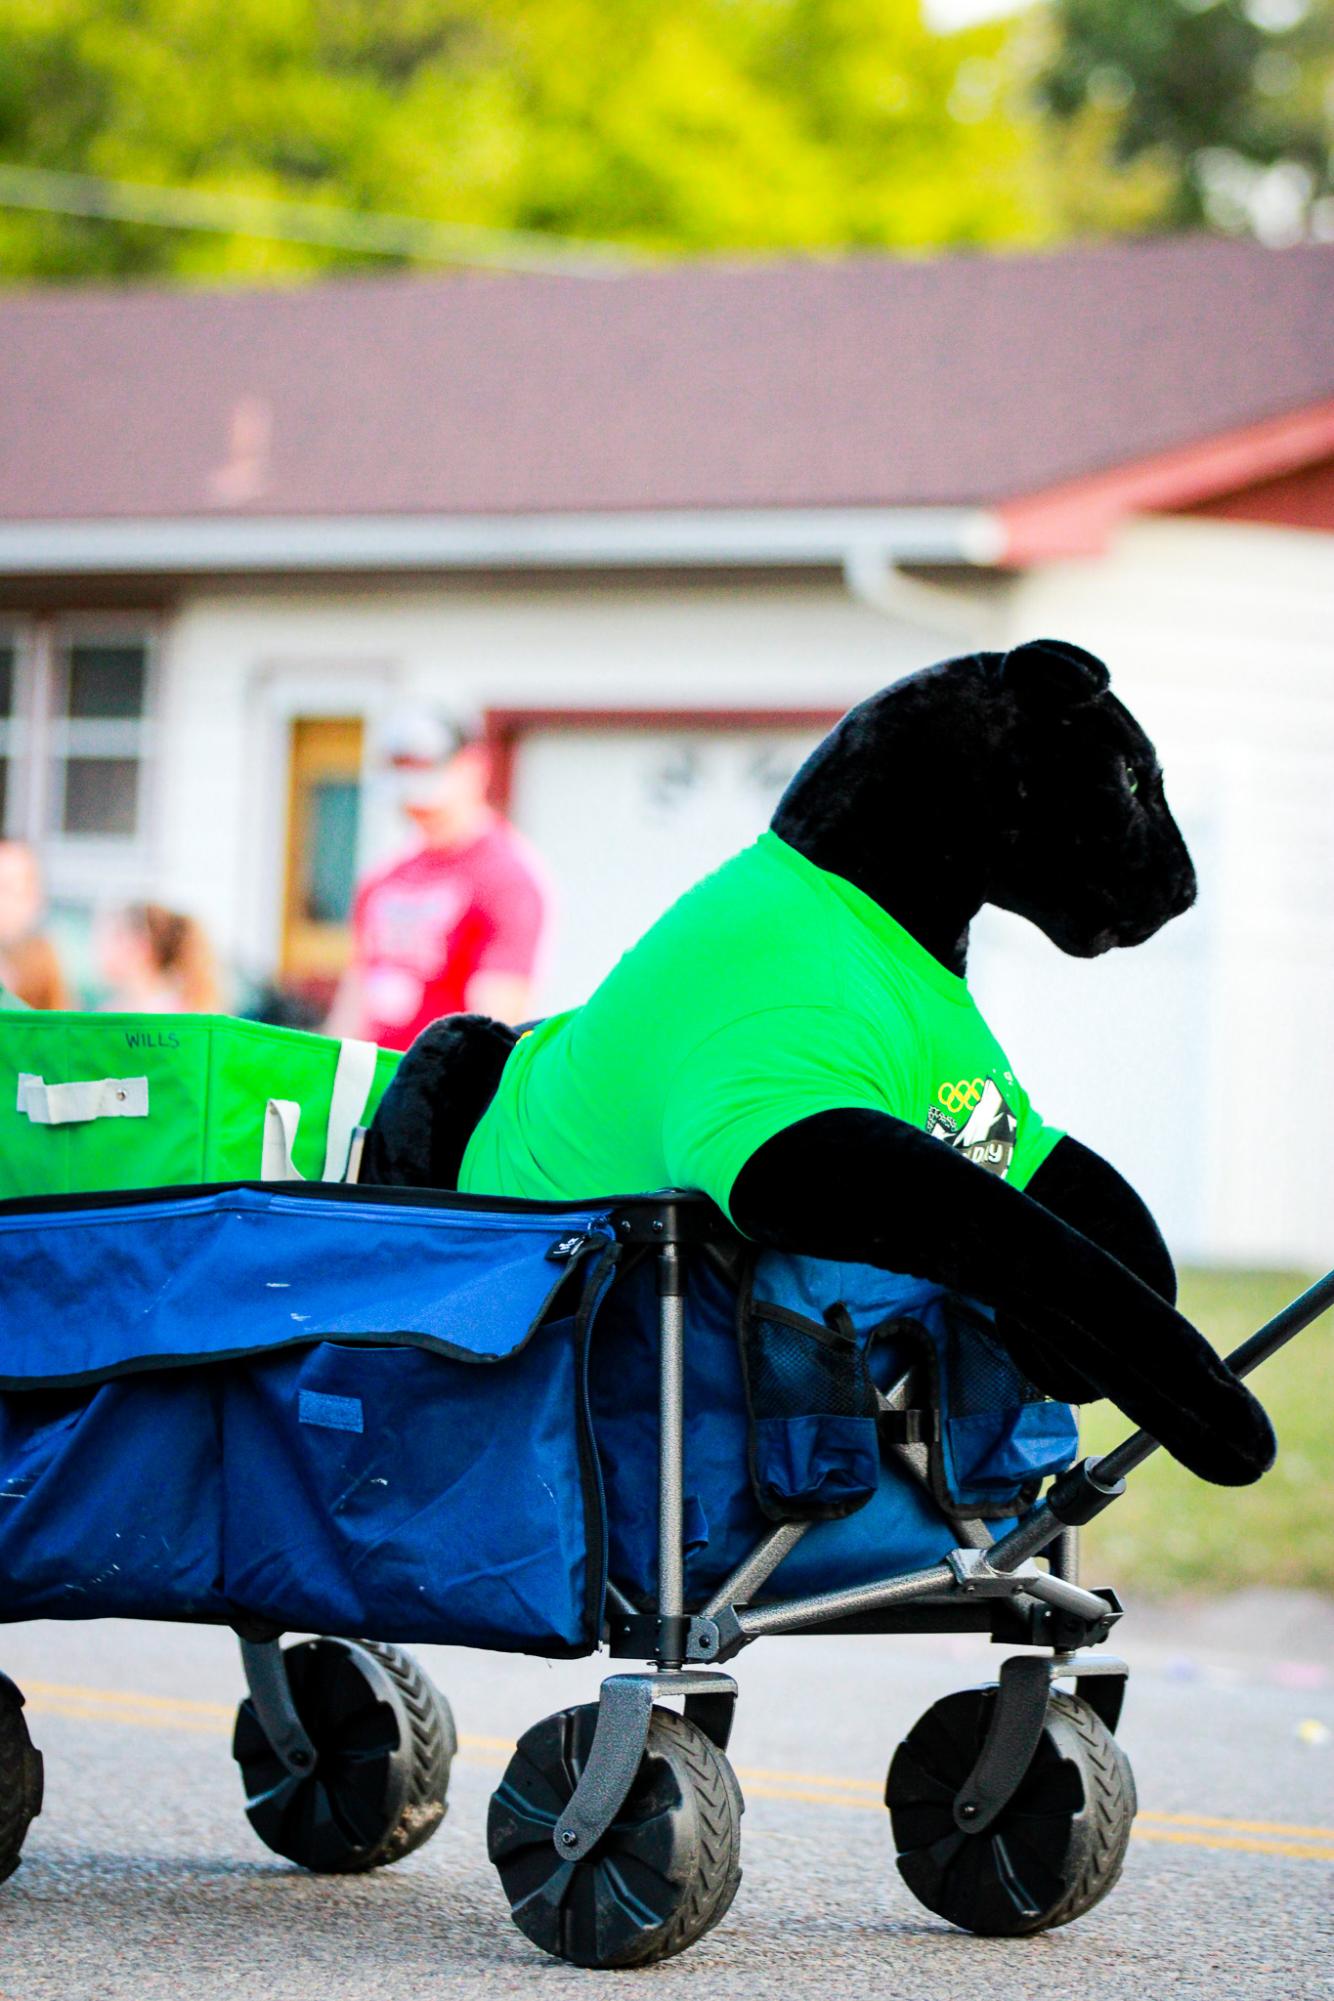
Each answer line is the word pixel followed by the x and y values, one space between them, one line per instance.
pixel 1114 1048
pixel 628 818
pixel 1117 1049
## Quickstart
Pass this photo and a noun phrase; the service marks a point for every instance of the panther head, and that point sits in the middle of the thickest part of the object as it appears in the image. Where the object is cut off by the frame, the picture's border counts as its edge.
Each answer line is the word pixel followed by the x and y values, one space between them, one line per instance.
pixel 1016 779
pixel 1092 854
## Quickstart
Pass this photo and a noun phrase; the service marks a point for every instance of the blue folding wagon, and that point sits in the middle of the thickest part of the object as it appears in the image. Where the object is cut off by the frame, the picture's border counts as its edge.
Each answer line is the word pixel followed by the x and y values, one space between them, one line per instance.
pixel 384 1416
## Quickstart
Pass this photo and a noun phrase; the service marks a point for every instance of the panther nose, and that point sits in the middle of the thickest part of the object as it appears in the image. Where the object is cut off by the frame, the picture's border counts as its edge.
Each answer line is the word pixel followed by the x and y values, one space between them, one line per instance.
pixel 1187 891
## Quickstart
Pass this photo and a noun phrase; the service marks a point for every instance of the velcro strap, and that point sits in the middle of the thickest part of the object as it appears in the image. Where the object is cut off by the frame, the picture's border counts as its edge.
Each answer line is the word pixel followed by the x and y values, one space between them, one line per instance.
pixel 354 1080
pixel 282 1116
pixel 77 1103
pixel 909 1427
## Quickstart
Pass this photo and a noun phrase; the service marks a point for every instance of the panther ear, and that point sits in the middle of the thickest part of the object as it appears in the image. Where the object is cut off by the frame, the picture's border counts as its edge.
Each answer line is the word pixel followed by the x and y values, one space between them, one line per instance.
pixel 1053 674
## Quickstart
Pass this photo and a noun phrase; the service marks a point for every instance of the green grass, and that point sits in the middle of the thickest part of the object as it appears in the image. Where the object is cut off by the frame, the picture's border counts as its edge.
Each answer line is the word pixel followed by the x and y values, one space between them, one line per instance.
pixel 1172 1531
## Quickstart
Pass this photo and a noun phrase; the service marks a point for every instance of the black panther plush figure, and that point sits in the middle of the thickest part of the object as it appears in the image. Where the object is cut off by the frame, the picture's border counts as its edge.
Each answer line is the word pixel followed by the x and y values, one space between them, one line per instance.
pixel 1082 843
pixel 1015 779
pixel 440 1090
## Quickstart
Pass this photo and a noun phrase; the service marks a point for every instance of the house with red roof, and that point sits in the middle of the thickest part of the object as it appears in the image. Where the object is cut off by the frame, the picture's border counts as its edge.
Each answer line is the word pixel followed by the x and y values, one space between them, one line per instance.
pixel 661 527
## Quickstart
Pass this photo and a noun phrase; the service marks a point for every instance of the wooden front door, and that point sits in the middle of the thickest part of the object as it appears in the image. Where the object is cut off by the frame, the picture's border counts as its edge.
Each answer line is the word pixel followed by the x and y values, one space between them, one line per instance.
pixel 323 820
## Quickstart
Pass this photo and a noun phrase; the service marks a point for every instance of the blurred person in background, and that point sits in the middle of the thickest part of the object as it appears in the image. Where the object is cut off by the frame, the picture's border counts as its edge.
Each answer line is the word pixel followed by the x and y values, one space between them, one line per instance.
pixel 29 964
pixel 454 926
pixel 157 961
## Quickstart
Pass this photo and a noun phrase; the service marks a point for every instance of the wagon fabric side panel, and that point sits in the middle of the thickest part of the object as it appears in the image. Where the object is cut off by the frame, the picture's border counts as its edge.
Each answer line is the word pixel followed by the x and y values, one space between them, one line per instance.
pixel 358 1416
pixel 754 1455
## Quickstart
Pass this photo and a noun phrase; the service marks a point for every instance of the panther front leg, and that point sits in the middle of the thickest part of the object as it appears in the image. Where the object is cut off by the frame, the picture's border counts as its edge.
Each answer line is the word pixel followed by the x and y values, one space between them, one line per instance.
pixel 863 1187
pixel 1087 1193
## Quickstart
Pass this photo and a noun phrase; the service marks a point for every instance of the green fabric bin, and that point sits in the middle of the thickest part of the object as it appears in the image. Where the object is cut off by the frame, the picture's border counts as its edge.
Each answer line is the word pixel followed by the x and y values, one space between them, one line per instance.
pixel 93 1101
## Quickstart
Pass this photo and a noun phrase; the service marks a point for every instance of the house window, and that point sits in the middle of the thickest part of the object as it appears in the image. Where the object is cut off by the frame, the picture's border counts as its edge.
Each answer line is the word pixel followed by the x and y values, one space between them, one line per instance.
pixel 8 663
pixel 76 701
pixel 16 737
pixel 97 735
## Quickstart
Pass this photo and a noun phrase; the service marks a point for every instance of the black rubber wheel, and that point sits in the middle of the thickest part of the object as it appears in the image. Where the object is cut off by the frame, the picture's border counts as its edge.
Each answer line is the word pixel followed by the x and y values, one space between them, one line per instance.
pixel 1050 1855
pixel 662 1875
pixel 20 1778
pixel 384 1739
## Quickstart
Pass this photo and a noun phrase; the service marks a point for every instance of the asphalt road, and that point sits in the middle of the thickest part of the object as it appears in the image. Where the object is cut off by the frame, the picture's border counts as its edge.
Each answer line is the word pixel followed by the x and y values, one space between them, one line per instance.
pixel 142 1878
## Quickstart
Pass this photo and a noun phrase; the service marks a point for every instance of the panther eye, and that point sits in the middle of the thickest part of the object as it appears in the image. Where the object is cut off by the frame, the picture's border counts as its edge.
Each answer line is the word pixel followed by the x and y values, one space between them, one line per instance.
pixel 1130 772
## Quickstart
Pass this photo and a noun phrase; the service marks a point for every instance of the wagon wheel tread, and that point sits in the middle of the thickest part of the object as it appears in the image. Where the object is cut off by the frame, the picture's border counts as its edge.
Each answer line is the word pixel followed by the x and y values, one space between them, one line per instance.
pixel 1111 1805
pixel 20 1784
pixel 718 1806
pixel 434 1744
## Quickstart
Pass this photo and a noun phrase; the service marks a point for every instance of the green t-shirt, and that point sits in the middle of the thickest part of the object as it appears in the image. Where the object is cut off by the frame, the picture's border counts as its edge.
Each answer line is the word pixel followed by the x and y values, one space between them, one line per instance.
pixel 771 991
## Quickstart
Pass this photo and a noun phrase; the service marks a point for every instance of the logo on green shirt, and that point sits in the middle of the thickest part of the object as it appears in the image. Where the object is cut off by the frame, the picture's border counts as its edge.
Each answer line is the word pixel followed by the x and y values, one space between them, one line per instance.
pixel 989 1130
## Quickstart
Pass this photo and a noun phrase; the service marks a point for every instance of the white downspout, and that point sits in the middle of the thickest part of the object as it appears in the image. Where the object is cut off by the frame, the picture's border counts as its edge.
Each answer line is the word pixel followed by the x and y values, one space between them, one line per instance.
pixel 874 579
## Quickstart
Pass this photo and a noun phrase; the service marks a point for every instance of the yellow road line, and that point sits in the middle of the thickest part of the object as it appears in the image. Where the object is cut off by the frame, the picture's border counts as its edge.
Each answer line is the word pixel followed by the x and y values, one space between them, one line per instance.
pixel 766 1782
pixel 91 1712
pixel 46 1692
pixel 129 1706
pixel 824 1787
pixel 1243 1841
pixel 1240 1826
pixel 762 1790
pixel 821 1779
pixel 62 1698
pixel 1243 1838
pixel 826 1796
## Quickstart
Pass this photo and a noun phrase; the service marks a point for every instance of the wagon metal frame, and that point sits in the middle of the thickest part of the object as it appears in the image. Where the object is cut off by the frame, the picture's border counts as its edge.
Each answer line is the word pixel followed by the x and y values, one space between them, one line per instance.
pixel 595 1758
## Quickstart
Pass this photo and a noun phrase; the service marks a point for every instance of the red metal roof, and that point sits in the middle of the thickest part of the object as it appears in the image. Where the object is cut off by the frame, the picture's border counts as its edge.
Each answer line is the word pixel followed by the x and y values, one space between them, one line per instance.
pixel 870 381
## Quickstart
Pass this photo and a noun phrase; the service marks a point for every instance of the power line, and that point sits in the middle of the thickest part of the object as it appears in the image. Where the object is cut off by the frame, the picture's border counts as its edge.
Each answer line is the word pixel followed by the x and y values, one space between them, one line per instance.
pixel 309 222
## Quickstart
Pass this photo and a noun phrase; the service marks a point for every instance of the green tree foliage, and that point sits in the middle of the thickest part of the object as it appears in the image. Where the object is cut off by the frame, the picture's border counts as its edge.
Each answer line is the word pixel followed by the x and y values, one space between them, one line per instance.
pixel 1230 102
pixel 664 124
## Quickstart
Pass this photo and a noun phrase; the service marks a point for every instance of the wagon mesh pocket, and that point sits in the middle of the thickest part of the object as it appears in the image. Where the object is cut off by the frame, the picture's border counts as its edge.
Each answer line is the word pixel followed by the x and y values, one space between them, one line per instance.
pixel 982 1376
pixel 1000 1436
pixel 813 1450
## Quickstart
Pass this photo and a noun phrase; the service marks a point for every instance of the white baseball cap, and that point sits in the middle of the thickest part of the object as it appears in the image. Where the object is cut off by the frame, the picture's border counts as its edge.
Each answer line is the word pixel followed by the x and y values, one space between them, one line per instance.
pixel 420 735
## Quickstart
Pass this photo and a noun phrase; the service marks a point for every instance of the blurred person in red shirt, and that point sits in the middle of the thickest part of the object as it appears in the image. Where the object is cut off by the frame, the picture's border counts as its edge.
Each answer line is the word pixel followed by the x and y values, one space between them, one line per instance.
pixel 453 927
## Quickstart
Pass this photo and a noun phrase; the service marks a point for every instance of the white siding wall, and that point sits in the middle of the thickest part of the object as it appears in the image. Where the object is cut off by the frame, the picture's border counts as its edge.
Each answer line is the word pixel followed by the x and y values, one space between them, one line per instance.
pixel 1203 1063
pixel 237 666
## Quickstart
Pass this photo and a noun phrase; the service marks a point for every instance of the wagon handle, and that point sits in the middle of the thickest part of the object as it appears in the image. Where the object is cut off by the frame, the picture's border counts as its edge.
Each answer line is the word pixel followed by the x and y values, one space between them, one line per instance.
pixel 1086 1489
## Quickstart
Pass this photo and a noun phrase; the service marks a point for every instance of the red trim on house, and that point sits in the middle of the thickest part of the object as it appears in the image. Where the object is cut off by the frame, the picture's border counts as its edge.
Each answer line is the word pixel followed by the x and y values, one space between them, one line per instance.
pixel 1076 519
pixel 506 729
pixel 1301 499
